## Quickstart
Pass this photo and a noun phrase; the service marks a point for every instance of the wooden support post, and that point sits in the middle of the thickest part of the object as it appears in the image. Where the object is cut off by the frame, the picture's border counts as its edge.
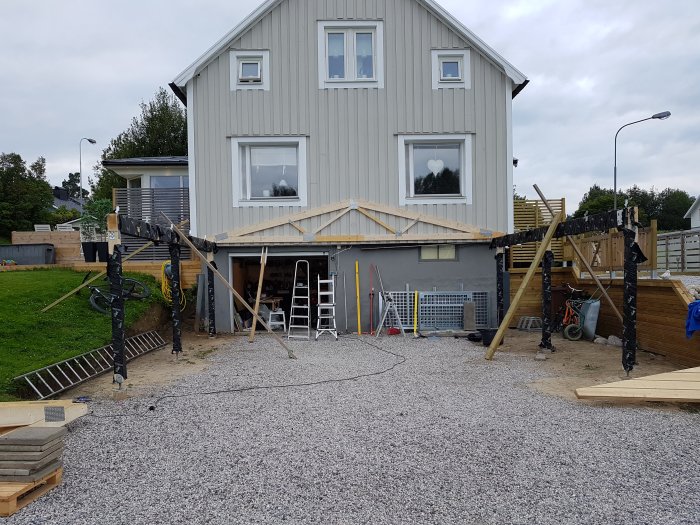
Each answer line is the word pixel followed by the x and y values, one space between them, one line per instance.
pixel 546 341
pixel 629 327
pixel 116 290
pixel 211 306
pixel 263 263
pixel 523 286
pixel 174 249
pixel 585 262
pixel 196 252
pixel 500 288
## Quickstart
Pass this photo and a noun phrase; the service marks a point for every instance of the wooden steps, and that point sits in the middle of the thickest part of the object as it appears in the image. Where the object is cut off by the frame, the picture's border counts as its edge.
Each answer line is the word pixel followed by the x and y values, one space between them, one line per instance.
pixel 681 386
pixel 14 495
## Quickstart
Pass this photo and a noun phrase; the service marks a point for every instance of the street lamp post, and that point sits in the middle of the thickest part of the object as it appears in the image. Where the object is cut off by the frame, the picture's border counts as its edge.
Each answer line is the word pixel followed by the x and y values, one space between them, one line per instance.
pixel 659 116
pixel 91 141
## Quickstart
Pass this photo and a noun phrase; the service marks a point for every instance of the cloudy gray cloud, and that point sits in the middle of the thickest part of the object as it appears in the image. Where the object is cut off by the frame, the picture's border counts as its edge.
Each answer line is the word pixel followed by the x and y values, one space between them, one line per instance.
pixel 75 69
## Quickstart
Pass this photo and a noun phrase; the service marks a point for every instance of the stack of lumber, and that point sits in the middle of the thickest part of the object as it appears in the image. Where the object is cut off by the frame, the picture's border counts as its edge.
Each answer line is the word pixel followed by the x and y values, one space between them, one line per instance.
pixel 30 465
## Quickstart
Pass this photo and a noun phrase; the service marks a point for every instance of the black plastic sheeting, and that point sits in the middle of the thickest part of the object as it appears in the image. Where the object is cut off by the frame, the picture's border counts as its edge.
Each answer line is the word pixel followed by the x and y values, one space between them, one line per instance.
pixel 160 234
pixel 499 286
pixel 116 287
pixel 547 300
pixel 211 310
pixel 175 295
pixel 633 257
pixel 601 222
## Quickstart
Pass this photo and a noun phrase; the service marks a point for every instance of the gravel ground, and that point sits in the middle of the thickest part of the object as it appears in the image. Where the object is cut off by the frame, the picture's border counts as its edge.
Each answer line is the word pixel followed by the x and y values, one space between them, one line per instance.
pixel 444 437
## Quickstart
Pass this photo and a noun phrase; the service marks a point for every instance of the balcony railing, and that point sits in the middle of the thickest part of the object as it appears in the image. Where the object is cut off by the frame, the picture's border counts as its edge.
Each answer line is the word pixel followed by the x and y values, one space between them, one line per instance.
pixel 149 204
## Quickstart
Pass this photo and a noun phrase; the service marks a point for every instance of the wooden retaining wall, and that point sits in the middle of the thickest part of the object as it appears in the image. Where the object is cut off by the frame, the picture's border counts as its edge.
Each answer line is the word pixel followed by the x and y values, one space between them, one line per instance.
pixel 662 308
pixel 188 269
pixel 66 244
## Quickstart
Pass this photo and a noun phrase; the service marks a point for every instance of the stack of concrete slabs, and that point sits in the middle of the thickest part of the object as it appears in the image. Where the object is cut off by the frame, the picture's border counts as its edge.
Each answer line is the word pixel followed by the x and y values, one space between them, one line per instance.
pixel 30 453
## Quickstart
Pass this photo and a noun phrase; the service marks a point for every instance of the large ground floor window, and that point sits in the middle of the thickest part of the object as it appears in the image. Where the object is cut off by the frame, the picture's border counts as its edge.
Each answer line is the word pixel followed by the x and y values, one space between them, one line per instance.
pixel 435 169
pixel 269 171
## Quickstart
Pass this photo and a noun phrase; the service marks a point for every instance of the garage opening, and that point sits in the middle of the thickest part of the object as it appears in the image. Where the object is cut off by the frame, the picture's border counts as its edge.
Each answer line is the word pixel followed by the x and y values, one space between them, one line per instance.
pixel 278 284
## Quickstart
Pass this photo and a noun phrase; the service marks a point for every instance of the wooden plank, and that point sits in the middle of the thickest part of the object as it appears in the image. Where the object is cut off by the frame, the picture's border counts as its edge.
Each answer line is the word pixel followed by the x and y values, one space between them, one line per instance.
pixel 377 220
pixel 263 262
pixel 621 394
pixel 14 496
pixel 526 280
pixel 23 413
pixel 331 220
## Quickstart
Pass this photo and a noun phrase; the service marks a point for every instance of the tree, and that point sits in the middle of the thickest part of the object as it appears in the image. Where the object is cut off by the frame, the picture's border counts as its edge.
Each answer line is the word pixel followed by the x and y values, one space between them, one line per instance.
pixel 667 207
pixel 160 130
pixel 25 196
pixel 62 214
pixel 673 205
pixel 72 184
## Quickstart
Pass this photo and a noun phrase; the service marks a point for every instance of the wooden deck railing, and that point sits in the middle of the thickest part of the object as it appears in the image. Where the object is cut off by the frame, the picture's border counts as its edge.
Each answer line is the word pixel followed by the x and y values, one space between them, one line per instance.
pixel 529 214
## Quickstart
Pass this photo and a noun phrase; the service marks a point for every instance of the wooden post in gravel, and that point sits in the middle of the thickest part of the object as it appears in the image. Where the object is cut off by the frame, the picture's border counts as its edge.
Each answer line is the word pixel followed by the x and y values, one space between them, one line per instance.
pixel 583 260
pixel 523 286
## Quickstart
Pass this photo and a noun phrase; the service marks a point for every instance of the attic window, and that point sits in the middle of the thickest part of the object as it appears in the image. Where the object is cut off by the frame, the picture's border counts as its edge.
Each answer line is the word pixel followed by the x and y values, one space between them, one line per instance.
pixel 350 54
pixel 451 69
pixel 250 70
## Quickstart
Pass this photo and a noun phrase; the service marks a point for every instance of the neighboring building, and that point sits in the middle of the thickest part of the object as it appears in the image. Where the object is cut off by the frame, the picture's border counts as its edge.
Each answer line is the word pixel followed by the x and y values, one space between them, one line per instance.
pixel 62 198
pixel 377 132
pixel 694 214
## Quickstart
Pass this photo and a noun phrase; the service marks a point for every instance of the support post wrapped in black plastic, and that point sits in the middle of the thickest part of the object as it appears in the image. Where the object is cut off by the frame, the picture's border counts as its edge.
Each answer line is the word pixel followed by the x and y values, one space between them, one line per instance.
pixel 499 286
pixel 547 300
pixel 116 285
pixel 211 317
pixel 174 249
pixel 629 308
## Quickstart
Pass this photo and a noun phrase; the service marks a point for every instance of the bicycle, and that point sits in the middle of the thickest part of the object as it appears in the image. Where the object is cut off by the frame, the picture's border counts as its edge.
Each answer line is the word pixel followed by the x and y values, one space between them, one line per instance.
pixel 570 318
pixel 101 297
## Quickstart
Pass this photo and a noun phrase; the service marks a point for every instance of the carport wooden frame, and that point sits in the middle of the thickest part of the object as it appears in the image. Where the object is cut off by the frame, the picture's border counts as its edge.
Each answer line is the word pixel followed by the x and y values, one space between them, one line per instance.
pixel 255 234
pixel 625 220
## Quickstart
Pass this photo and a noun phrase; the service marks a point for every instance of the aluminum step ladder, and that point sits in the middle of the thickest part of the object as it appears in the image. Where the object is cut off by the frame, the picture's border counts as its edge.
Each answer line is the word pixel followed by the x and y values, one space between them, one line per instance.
pixel 54 379
pixel 325 322
pixel 389 306
pixel 301 301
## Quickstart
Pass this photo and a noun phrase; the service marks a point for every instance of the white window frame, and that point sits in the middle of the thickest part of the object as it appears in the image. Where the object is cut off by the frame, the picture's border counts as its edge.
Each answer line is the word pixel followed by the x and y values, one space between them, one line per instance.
pixel 238 57
pixel 239 147
pixel 406 176
pixel 350 29
pixel 439 252
pixel 438 56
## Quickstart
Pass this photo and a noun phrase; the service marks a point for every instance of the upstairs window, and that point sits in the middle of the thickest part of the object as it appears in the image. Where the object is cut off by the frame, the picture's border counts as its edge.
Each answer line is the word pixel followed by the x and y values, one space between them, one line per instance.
pixel 250 70
pixel 451 69
pixel 350 54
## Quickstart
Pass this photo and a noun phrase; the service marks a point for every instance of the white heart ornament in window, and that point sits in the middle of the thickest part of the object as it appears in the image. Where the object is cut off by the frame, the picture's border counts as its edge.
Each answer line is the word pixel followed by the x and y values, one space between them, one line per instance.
pixel 436 166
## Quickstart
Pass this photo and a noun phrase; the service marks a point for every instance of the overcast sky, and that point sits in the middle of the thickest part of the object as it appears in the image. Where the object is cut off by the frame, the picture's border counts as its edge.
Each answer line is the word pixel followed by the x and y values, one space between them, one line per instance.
pixel 75 68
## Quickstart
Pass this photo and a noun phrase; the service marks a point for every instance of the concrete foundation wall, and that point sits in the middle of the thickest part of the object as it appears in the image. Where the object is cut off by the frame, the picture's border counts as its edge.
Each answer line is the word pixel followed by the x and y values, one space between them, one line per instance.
pixel 473 270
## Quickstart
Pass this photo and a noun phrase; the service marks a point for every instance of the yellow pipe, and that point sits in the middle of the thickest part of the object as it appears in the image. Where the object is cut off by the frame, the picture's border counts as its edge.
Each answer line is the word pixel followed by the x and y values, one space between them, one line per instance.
pixel 415 315
pixel 357 295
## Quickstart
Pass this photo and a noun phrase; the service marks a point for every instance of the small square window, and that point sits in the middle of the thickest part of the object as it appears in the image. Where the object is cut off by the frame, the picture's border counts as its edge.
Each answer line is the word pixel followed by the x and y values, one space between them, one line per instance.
pixel 250 71
pixel 450 70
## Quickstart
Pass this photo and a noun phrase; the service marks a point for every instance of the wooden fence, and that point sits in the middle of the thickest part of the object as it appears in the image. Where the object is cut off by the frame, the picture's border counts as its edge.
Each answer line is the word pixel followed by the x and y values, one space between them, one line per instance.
pixel 66 244
pixel 679 251
pixel 662 308
pixel 605 252
pixel 529 214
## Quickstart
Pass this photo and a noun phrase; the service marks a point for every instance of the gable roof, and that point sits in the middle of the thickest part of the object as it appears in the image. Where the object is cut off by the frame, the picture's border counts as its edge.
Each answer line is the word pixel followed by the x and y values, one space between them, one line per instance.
pixel 692 209
pixel 179 84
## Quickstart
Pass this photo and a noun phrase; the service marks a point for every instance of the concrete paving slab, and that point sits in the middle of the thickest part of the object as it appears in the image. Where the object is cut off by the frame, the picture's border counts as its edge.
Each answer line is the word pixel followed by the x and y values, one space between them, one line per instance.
pixel 32 436
pixel 28 466
pixel 55 465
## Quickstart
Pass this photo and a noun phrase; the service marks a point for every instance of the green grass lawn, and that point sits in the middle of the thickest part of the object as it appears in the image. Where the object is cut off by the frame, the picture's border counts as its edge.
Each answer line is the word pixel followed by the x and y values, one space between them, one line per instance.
pixel 5 240
pixel 30 339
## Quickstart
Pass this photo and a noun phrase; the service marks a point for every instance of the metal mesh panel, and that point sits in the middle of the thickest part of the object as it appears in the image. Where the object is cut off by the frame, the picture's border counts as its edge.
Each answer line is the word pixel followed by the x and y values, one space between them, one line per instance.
pixel 439 310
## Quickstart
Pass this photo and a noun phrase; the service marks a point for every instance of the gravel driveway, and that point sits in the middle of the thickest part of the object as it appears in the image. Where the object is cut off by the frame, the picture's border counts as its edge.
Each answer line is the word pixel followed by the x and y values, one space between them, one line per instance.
pixel 444 437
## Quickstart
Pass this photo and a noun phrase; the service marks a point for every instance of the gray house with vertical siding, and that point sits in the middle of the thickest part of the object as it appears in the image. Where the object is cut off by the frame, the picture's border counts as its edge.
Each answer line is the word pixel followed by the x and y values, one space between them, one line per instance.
pixel 336 131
